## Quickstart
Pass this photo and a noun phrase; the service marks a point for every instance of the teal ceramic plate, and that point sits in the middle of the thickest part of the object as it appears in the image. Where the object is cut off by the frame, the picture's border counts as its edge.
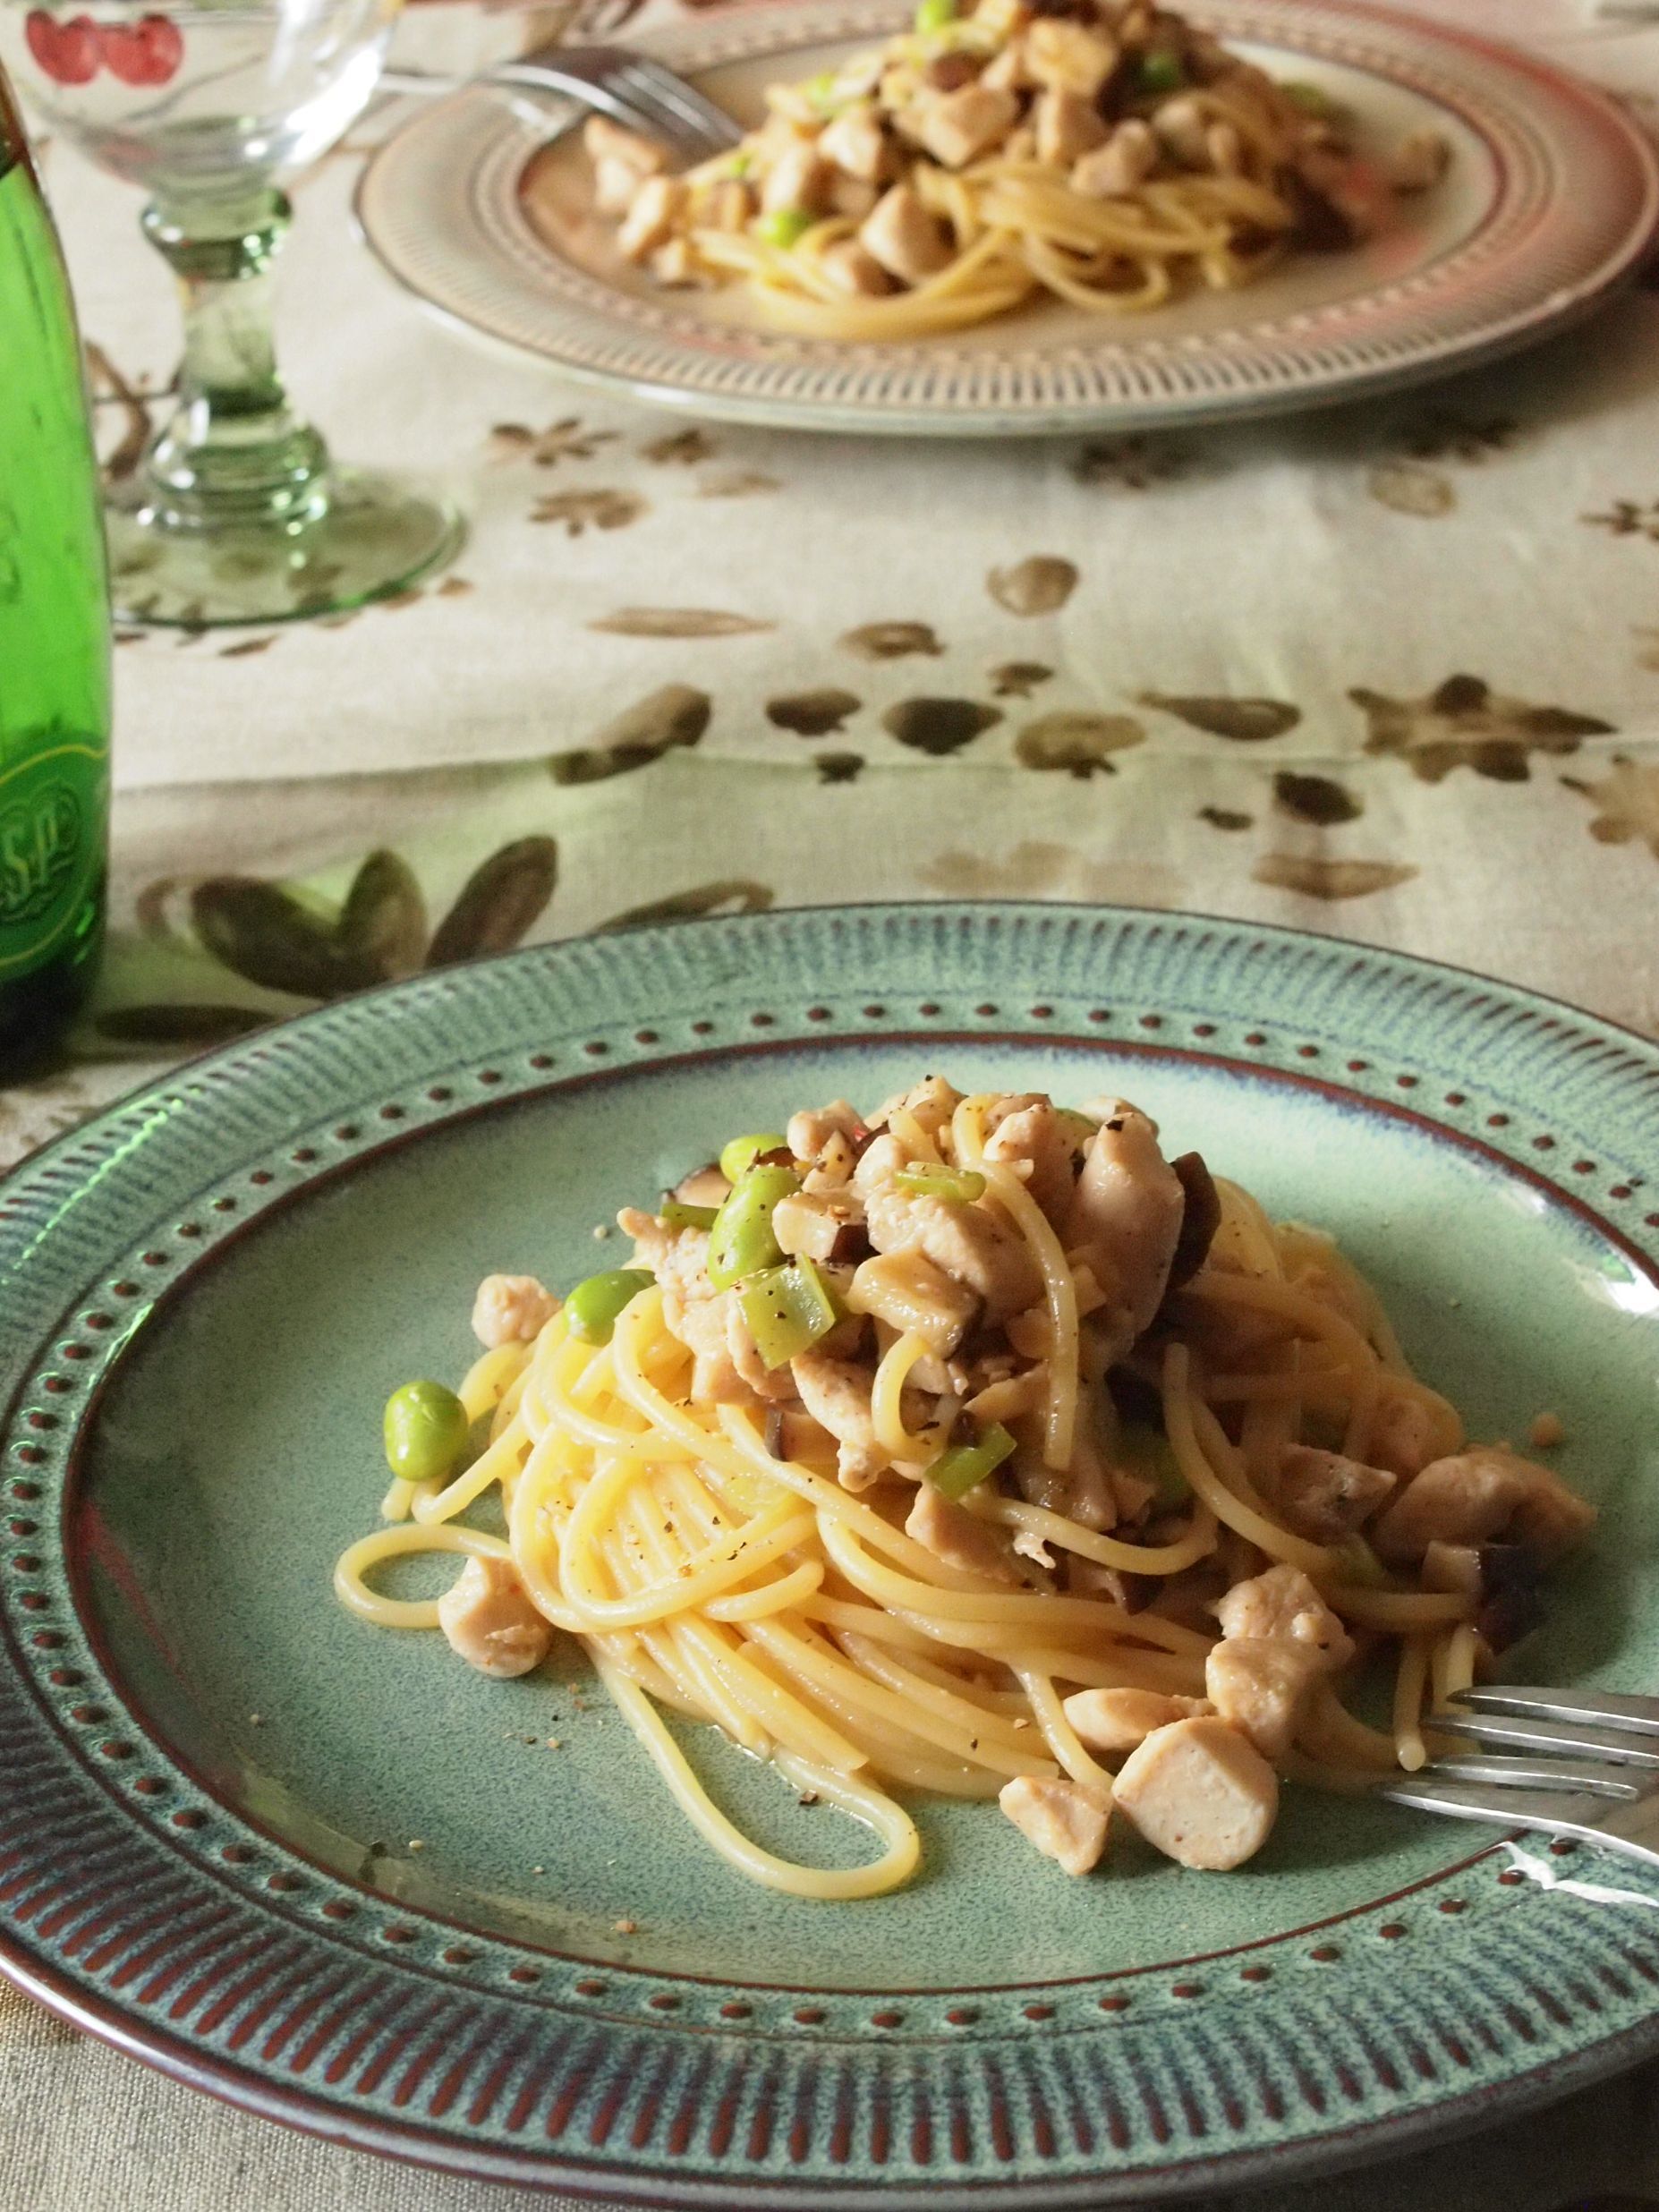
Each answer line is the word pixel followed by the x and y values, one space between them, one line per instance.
pixel 325 1872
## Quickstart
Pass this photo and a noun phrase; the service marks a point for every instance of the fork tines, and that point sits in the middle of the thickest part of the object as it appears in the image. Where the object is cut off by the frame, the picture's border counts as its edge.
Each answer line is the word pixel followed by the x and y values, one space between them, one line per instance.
pixel 1597 1777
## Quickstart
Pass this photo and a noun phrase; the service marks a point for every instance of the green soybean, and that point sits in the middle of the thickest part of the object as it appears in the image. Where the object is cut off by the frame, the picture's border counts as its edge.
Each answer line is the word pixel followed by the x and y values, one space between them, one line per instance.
pixel 592 1307
pixel 426 1432
pixel 741 1242
pixel 738 1156
pixel 784 226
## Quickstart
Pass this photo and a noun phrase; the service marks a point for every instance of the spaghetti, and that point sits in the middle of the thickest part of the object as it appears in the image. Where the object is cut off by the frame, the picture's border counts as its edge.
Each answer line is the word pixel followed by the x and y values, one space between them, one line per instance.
pixel 927 1453
pixel 1103 151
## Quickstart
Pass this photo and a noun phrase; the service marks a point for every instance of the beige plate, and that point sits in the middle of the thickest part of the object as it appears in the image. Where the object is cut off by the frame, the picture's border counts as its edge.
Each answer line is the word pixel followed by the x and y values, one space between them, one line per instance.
pixel 480 207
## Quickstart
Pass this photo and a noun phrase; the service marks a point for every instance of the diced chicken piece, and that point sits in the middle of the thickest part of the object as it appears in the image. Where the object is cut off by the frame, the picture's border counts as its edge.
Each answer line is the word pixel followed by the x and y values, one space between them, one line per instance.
pixel 1026 1130
pixel 1069 126
pixel 511 1309
pixel 961 126
pixel 860 275
pixel 906 1290
pixel 851 197
pixel 855 142
pixel 1007 71
pixel 701 1325
pixel 813 1135
pixel 796 179
pixel 1418 161
pixel 837 1394
pixel 1064 1825
pixel 1068 57
pixel 951 1533
pixel 677 1257
pixel 1126 1219
pixel 1117 1720
pixel 1408 1428
pixel 1122 165
pixel 622 160
pixel 977 1247
pixel 807 1227
pixel 1468 1497
pixel 650 221
pixel 903 237
pixel 878 1163
pixel 928 1103
pixel 1282 1605
pixel 1200 1793
pixel 1325 1495
pixel 730 206
pixel 1260 1686
pixel 487 1616
pixel 1182 126
pixel 1224 149
pixel 676 264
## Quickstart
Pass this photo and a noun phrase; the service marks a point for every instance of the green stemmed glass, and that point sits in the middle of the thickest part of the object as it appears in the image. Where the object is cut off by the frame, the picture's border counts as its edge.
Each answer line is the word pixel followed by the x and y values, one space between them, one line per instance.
pixel 237 514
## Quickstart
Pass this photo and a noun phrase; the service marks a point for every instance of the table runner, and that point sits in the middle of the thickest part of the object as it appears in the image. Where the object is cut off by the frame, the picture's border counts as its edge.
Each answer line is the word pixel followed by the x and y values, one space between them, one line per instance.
pixel 1391 672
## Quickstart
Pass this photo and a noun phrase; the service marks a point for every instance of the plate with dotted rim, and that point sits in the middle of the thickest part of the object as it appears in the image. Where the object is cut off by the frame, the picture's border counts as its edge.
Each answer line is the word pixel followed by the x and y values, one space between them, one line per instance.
pixel 482 209
pixel 326 1873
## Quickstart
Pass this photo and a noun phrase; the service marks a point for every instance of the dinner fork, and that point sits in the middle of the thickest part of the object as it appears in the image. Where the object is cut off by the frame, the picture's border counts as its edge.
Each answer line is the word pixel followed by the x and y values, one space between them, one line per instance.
pixel 1582 1764
pixel 632 88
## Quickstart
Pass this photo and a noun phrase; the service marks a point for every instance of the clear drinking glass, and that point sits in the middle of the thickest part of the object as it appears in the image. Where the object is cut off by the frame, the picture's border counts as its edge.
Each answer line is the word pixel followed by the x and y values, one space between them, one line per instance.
pixel 237 514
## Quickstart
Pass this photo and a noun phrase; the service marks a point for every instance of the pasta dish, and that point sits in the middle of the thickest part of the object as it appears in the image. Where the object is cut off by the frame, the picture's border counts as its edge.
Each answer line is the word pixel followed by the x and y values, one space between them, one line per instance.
pixel 972 1446
pixel 1106 151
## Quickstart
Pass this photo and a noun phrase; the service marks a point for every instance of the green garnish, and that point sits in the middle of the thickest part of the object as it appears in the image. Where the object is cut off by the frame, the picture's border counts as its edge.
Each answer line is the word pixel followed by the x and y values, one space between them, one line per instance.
pixel 786 1309
pixel 934 15
pixel 1357 1564
pixel 1159 71
pixel 740 1154
pixel 1146 1453
pixel 593 1306
pixel 742 1243
pixel 964 1467
pixel 426 1431
pixel 676 1213
pixel 785 226
pixel 959 1186
pixel 1311 99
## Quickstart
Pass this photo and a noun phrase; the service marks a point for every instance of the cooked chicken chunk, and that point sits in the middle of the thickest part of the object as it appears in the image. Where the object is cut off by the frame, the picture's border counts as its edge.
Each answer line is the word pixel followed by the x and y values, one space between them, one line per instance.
pixel 980 1249
pixel 1408 1430
pixel 1068 57
pixel 511 1309
pixel 860 275
pixel 1199 1792
pixel 1069 126
pixel 856 143
pixel 1117 1720
pixel 812 1134
pixel 1260 1684
pixel 1025 1132
pixel 961 126
pixel 488 1618
pixel 955 1535
pixel 798 179
pixel 907 241
pixel 1282 1605
pixel 1065 1825
pixel 1325 1497
pixel 622 161
pixel 906 1290
pixel 1126 1219
pixel 1124 162
pixel 807 1226
pixel 1475 1495
pixel 836 1393
pixel 650 220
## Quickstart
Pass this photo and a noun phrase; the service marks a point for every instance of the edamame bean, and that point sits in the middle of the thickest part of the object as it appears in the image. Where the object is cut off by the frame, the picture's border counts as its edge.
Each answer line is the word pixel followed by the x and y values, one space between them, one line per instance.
pixel 741 1242
pixel 738 1156
pixel 592 1306
pixel 426 1431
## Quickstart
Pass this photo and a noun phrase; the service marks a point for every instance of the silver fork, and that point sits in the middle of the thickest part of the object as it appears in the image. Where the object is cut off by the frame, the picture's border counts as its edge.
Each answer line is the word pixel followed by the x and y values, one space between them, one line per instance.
pixel 1582 1764
pixel 632 88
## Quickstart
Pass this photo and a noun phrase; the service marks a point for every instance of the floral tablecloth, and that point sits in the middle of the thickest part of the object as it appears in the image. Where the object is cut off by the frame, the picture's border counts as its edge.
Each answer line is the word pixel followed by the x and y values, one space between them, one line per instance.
pixel 1391 672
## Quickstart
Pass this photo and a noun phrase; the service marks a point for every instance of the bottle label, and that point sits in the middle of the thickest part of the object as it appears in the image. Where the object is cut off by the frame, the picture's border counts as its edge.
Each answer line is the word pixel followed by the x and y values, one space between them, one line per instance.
pixel 51 847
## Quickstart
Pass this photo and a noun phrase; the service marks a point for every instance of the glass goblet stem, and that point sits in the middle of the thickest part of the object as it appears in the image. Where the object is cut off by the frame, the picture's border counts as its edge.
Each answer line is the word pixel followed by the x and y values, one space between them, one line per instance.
pixel 233 452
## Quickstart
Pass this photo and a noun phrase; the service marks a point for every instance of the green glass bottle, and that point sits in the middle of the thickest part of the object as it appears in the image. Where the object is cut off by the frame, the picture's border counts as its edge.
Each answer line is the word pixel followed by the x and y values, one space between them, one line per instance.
pixel 55 672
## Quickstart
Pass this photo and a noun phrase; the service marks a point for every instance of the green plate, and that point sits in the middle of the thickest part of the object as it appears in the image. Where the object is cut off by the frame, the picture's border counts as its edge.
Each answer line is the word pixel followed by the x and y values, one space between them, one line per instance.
pixel 322 1870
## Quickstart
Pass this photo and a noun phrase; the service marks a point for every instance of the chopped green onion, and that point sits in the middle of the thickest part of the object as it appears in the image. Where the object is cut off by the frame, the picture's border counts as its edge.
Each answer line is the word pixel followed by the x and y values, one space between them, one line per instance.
pixel 959 1186
pixel 934 15
pixel 965 1467
pixel 783 228
pixel 593 1306
pixel 676 1213
pixel 739 1155
pixel 740 1243
pixel 426 1430
pixel 824 91
pixel 786 1309
pixel 1159 71
pixel 741 163
pixel 1146 1453
pixel 1357 1563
